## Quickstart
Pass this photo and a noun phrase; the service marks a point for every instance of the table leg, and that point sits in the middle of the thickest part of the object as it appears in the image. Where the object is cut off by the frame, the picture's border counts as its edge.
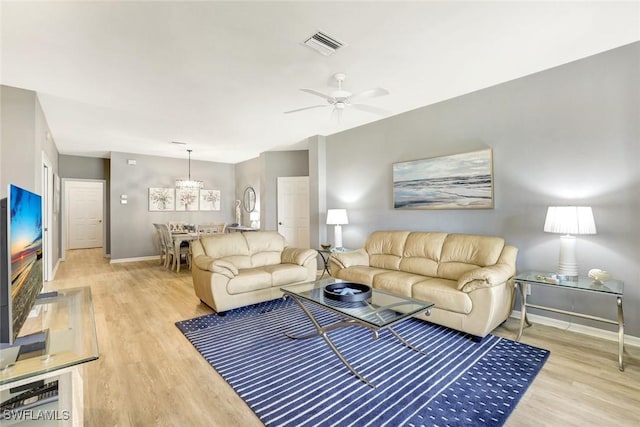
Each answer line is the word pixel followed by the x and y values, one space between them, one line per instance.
pixel 523 309
pixel 176 256
pixel 620 335
pixel 322 331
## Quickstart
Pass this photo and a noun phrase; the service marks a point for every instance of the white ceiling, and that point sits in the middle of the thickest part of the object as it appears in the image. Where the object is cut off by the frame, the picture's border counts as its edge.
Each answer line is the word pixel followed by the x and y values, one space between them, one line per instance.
pixel 132 77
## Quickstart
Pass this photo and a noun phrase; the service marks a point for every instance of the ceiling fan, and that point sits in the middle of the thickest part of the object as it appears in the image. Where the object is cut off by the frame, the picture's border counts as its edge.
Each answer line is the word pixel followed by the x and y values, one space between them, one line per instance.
pixel 341 99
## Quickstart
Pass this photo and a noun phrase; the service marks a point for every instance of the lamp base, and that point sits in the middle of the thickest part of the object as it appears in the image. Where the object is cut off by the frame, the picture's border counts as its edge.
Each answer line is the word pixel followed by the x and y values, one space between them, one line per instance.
pixel 567 265
pixel 337 236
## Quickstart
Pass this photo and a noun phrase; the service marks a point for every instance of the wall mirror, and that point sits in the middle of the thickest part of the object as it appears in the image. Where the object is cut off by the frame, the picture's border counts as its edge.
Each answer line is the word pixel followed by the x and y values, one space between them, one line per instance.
pixel 249 199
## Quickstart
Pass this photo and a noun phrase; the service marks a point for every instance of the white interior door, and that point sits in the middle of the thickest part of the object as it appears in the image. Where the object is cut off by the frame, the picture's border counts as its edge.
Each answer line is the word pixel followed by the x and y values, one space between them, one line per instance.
pixel 293 210
pixel 84 214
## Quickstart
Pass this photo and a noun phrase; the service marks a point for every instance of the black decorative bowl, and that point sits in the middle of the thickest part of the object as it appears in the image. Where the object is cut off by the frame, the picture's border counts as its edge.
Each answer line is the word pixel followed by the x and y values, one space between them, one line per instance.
pixel 347 291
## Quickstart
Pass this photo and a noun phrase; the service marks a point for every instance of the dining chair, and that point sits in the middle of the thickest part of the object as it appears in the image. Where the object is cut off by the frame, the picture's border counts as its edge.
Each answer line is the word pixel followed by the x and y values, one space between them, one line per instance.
pixel 205 229
pixel 161 243
pixel 174 258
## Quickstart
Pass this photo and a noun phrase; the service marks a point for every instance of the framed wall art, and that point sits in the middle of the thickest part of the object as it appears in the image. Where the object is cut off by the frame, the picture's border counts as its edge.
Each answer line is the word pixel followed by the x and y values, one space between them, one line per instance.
pixel 209 200
pixel 187 199
pixel 161 199
pixel 458 181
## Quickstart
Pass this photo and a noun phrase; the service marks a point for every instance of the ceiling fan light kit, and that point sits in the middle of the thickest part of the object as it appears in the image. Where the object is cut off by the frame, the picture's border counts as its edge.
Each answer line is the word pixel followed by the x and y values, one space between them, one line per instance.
pixel 341 99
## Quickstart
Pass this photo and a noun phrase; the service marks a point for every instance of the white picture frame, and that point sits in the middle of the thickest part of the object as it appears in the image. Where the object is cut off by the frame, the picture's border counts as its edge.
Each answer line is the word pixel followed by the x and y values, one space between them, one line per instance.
pixel 187 199
pixel 209 200
pixel 161 199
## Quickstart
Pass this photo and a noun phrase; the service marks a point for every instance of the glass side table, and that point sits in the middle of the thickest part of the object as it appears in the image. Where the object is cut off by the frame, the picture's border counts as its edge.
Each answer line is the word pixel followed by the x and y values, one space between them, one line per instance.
pixel 582 284
pixel 65 318
pixel 325 253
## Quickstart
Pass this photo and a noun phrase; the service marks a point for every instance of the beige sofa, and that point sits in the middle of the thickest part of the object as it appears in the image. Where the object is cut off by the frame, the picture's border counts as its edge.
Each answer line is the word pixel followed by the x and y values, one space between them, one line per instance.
pixel 469 278
pixel 237 269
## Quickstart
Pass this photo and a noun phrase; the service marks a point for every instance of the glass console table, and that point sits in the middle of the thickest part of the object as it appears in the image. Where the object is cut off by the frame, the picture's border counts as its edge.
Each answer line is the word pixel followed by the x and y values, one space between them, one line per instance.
pixel 65 322
pixel 613 288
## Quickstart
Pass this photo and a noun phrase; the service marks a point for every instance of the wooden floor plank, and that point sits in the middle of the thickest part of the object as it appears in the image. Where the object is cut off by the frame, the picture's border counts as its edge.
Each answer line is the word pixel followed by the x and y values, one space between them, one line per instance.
pixel 149 374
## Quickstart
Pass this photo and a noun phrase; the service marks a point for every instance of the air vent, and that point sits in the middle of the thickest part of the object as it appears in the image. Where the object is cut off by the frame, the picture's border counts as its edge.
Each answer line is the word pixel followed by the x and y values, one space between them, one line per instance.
pixel 323 43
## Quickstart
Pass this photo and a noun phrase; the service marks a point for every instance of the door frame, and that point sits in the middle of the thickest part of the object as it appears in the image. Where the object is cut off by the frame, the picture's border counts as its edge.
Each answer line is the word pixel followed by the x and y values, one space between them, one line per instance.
pixel 47 210
pixel 65 212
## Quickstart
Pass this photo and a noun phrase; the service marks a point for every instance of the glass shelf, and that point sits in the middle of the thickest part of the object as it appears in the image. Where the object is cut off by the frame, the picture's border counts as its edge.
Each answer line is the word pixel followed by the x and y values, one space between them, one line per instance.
pixel 67 322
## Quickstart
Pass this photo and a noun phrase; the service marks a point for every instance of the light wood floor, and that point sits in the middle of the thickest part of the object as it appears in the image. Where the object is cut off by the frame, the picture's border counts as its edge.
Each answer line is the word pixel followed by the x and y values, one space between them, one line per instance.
pixel 149 374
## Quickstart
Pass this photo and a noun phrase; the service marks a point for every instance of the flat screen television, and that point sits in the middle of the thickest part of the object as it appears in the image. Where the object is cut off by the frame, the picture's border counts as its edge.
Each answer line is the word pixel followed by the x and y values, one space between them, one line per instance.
pixel 21 278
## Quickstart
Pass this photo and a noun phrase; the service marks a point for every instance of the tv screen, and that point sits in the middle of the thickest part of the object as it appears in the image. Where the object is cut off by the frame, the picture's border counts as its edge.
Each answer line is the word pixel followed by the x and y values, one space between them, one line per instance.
pixel 23 242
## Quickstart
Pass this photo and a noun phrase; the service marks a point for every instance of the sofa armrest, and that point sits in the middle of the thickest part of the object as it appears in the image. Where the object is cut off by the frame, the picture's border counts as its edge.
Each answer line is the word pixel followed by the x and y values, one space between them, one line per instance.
pixel 297 256
pixel 485 277
pixel 219 266
pixel 347 259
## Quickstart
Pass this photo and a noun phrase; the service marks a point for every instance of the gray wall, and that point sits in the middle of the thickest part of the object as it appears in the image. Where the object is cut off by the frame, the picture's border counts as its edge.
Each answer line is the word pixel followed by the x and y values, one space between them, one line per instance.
pixel 568 135
pixel 78 167
pixel 249 174
pixel 19 157
pixel 132 232
pixel 25 136
pixel 277 164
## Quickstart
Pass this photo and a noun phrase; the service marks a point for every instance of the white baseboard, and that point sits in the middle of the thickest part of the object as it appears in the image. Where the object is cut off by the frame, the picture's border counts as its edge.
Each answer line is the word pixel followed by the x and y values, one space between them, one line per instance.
pixel 141 258
pixel 576 327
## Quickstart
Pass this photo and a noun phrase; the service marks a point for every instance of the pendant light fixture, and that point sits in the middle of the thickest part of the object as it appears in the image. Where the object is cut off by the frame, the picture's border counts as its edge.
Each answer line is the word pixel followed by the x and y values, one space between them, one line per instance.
pixel 188 183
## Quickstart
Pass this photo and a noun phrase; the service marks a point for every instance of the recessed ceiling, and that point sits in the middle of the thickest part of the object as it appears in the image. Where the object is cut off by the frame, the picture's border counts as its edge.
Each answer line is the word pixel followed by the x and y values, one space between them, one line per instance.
pixel 134 76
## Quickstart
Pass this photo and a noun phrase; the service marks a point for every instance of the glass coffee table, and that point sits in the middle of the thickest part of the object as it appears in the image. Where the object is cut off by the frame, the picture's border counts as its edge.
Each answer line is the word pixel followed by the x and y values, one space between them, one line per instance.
pixel 380 311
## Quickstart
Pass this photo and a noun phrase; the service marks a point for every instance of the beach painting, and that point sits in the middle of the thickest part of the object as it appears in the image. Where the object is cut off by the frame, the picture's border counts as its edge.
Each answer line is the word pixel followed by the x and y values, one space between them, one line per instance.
pixel 458 181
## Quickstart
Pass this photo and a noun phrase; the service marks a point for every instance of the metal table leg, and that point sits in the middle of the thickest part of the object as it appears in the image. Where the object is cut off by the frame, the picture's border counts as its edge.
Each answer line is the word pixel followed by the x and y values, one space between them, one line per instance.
pixel 322 331
pixel 620 335
pixel 523 309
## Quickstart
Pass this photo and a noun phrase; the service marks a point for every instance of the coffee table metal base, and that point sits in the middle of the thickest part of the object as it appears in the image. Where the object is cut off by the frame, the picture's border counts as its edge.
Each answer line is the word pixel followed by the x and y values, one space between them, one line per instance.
pixel 323 330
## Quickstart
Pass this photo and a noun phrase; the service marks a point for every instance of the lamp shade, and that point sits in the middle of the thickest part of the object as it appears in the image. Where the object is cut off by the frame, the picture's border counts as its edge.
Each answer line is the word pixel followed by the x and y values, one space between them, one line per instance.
pixel 337 217
pixel 570 220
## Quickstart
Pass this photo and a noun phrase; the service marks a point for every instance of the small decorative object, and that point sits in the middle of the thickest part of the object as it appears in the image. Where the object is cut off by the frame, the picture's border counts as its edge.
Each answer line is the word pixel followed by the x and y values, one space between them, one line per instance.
pixel 599 276
pixel 337 217
pixel 325 246
pixel 254 217
pixel 347 291
pixel 238 213
pixel 569 220
pixel 458 181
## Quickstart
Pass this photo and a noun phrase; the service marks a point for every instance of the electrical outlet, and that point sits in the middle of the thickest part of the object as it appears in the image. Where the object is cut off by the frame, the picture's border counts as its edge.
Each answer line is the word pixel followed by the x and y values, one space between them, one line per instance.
pixel 527 289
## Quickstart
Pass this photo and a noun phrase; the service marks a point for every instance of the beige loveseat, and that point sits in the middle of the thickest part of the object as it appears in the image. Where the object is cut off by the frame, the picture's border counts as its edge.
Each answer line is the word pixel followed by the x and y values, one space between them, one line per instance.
pixel 469 278
pixel 237 269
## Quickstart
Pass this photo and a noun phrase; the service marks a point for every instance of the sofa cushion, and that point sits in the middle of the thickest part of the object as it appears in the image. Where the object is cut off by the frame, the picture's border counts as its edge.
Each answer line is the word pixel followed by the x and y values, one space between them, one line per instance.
pixel 396 282
pixel 464 252
pixel 265 247
pixel 248 280
pixel 231 247
pixel 422 252
pixel 284 274
pixel 360 274
pixel 444 294
pixel 385 248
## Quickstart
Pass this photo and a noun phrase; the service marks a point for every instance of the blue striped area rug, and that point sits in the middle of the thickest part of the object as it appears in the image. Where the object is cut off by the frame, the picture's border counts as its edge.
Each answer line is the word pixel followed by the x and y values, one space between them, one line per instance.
pixel 288 382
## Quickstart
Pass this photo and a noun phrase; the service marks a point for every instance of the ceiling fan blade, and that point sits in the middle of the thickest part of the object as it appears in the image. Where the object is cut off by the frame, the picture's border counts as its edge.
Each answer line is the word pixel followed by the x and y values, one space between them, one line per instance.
pixel 370 93
pixel 316 93
pixel 371 109
pixel 306 108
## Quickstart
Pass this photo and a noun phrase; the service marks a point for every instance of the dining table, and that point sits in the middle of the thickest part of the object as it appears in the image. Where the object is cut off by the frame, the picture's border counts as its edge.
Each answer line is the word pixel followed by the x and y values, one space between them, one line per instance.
pixel 178 237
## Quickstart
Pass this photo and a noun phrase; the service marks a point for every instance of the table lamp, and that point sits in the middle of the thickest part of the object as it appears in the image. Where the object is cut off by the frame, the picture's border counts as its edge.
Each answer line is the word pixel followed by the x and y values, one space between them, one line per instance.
pixel 569 220
pixel 255 219
pixel 337 217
